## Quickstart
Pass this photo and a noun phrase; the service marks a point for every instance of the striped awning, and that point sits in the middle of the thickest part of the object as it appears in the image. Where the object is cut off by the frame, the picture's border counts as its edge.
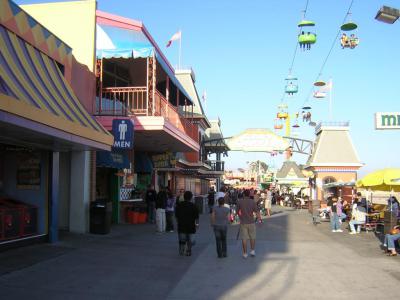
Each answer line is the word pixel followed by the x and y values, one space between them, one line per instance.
pixel 32 86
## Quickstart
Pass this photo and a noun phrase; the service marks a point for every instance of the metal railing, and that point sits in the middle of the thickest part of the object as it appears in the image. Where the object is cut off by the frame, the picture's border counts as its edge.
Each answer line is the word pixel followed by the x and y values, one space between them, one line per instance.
pixel 332 124
pixel 126 101
pixel 122 101
pixel 216 165
pixel 170 112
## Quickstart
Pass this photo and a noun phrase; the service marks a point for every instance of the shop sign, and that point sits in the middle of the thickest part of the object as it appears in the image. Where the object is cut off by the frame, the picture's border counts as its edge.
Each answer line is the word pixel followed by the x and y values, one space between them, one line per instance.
pixel 257 140
pixel 165 160
pixel 112 159
pixel 387 120
pixel 122 129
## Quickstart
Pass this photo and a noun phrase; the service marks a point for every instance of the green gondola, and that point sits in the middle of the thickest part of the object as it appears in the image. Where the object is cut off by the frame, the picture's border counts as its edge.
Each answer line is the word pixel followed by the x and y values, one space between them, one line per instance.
pixel 305 23
pixel 306 38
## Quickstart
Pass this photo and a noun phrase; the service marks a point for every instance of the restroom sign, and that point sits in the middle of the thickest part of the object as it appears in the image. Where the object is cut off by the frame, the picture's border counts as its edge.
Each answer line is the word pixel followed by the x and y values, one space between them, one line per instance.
pixel 122 129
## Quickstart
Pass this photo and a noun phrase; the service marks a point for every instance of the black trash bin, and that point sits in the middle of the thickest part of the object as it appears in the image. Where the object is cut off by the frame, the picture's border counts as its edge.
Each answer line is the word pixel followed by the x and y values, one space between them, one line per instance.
pixel 100 217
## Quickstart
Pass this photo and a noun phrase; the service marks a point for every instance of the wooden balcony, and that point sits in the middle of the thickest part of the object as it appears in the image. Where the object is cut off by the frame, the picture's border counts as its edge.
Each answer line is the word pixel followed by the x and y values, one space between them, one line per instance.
pixel 128 101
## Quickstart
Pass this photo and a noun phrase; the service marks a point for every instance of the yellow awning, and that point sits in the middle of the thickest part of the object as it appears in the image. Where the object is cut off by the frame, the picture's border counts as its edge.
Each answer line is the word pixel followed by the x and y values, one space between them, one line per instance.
pixel 32 86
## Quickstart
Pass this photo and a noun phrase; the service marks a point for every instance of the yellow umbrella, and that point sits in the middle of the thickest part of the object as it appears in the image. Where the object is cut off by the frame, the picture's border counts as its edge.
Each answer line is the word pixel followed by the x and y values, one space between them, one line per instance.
pixel 381 180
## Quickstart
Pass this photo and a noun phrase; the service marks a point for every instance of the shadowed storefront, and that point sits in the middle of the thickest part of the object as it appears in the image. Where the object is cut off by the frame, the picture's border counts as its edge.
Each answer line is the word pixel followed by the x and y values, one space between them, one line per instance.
pixel 45 133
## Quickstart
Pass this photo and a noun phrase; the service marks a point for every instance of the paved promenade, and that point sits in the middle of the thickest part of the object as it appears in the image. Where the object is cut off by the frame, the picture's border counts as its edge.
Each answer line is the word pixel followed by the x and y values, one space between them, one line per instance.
pixel 295 260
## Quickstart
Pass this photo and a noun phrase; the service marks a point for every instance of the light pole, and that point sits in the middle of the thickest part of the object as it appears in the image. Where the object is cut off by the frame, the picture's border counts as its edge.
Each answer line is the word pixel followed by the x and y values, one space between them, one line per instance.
pixel 387 14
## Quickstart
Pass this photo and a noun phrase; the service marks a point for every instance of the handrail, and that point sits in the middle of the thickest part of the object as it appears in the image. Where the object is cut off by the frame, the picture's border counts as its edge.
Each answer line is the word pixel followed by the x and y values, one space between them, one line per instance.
pixel 122 101
pixel 126 101
pixel 171 113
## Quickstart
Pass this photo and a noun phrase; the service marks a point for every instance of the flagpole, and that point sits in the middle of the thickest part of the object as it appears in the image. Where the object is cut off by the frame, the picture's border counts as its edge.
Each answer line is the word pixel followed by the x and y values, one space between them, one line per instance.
pixel 330 99
pixel 180 51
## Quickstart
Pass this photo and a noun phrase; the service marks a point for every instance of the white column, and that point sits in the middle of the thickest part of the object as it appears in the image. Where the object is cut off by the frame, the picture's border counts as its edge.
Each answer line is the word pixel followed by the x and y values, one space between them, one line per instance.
pixel 80 192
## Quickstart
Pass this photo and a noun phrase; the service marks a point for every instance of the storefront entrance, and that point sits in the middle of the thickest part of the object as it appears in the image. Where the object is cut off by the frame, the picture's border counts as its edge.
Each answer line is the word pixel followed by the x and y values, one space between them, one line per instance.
pixel 24 193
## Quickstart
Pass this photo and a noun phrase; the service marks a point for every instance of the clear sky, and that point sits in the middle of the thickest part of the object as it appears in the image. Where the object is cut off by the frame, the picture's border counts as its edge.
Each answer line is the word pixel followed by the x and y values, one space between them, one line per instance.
pixel 241 52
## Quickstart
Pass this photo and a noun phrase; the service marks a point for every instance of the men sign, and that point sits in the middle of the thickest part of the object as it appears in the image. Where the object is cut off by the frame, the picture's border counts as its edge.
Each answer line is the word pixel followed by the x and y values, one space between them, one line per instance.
pixel 122 130
pixel 387 120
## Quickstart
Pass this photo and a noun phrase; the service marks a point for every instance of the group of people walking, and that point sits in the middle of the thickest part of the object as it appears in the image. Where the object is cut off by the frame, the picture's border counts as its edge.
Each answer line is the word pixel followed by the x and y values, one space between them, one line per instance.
pixel 163 206
pixel 227 204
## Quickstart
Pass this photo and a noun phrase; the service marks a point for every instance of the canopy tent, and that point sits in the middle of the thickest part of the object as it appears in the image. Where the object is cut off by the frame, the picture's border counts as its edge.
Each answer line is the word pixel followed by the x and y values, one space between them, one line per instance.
pixel 117 42
pixel 381 180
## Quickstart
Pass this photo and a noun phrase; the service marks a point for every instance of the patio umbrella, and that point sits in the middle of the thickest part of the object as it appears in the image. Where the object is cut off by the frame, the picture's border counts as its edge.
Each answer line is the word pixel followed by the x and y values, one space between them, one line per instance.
pixel 381 180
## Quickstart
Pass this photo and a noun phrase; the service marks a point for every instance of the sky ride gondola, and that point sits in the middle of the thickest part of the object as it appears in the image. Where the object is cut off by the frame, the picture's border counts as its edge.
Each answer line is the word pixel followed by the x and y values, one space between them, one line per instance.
pixel 278 124
pixel 291 85
pixel 306 38
pixel 347 41
pixel 282 113
pixel 319 94
pixel 306 115
pixel 319 83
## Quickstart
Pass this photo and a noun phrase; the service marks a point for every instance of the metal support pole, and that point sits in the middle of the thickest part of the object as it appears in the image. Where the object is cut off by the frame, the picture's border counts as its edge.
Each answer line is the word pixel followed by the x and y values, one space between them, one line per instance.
pixel 54 196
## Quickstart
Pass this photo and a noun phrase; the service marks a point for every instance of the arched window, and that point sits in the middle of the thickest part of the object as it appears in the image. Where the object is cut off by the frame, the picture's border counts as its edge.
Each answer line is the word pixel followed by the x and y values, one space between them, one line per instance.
pixel 329 179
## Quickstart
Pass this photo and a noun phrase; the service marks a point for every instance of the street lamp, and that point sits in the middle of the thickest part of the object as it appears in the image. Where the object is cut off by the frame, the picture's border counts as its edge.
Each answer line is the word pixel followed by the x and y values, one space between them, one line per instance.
pixel 387 14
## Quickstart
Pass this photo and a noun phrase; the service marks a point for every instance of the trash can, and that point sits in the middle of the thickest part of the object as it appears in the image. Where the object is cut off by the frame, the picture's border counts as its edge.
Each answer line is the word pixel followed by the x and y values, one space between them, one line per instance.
pixel 100 217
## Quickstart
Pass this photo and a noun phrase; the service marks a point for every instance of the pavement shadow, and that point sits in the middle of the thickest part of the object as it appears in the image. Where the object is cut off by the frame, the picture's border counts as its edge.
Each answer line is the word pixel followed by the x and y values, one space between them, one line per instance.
pixel 235 277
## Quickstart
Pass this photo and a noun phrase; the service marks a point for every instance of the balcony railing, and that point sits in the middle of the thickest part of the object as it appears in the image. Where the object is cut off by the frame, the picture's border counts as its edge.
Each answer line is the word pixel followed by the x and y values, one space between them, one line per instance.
pixel 126 101
pixel 122 101
pixel 168 111
pixel 216 165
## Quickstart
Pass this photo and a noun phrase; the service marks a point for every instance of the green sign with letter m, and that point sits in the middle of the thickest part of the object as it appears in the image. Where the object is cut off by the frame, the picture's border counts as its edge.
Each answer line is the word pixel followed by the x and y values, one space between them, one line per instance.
pixel 387 120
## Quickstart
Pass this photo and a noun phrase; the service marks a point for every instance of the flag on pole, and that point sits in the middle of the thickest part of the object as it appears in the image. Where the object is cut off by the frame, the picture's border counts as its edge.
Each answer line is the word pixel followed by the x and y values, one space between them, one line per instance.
pixel 204 96
pixel 327 87
pixel 175 37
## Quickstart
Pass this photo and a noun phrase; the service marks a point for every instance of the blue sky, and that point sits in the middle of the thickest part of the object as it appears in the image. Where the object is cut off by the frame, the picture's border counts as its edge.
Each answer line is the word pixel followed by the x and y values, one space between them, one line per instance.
pixel 241 52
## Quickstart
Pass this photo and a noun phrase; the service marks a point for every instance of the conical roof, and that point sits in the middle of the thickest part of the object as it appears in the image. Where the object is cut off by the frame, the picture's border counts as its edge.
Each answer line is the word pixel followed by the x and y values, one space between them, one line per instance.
pixel 333 147
pixel 289 170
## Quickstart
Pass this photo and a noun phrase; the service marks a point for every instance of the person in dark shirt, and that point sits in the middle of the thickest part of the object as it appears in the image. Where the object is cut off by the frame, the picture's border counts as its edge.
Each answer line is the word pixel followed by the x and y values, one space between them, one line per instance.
pixel 161 203
pixel 334 218
pixel 150 197
pixel 211 199
pixel 187 217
